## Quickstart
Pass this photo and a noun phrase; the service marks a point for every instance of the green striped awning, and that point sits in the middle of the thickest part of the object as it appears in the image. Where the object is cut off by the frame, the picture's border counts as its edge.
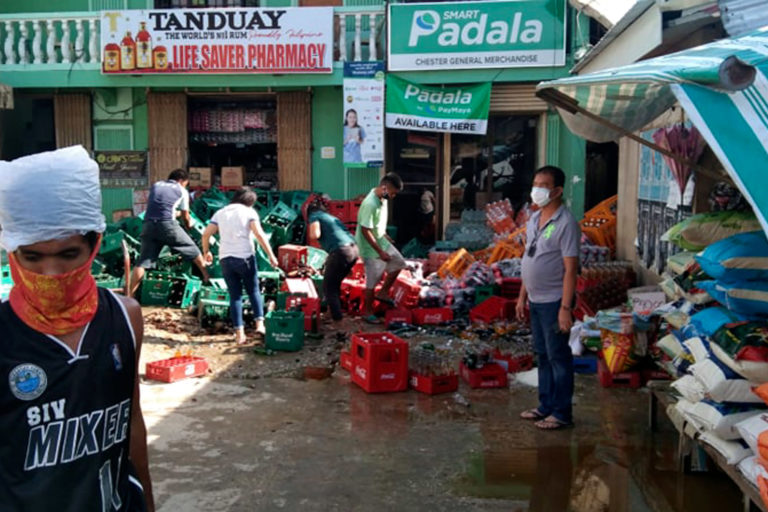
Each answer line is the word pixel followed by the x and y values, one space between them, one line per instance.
pixel 722 86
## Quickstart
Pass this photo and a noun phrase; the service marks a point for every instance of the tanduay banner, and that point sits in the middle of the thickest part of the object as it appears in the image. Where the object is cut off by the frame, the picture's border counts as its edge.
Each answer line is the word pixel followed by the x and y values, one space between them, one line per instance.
pixel 461 109
pixel 473 35
pixel 277 40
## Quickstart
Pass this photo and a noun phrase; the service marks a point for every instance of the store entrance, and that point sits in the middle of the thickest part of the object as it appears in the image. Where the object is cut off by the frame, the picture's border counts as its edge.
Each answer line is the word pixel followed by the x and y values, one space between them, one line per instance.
pixel 415 157
pixel 232 131
pixel 498 165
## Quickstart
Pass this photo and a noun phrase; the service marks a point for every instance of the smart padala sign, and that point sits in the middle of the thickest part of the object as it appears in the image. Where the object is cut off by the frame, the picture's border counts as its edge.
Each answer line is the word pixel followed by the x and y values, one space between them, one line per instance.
pixel 469 35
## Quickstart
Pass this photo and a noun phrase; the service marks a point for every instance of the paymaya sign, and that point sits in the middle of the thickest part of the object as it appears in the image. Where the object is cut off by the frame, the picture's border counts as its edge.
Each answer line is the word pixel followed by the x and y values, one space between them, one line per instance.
pixel 460 109
pixel 485 34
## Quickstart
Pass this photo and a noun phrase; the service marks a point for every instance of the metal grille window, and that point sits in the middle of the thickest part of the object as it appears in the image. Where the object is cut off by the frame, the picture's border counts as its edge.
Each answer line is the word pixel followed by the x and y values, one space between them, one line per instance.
pixel 180 4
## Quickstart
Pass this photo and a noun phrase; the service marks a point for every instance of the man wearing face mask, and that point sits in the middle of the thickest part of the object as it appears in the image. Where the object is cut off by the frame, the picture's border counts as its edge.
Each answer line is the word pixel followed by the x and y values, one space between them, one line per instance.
pixel 550 265
pixel 376 248
pixel 73 433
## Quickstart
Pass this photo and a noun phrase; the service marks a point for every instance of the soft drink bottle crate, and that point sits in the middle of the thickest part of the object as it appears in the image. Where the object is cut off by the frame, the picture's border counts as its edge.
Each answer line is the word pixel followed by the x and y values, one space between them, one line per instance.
pixel 358 270
pixel 380 362
pixel 345 360
pixel 291 257
pixel 316 257
pixel 483 293
pixel 493 309
pixel 434 385
pixel 303 285
pixel 405 292
pixel 354 209
pixel 509 287
pixel 340 210
pixel 310 306
pixel 285 330
pixel 514 364
pixel 404 316
pixel 491 375
pixel 432 316
pixel 456 264
pixel 629 379
pixel 176 368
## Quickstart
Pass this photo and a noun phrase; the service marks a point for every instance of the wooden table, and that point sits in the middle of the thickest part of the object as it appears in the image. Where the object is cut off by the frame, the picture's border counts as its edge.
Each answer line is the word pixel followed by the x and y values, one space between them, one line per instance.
pixel 661 394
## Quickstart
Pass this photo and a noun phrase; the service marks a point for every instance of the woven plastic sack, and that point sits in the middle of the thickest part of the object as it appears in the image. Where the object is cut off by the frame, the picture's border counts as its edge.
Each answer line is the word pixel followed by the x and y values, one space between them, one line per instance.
pixel 697 232
pixel 48 196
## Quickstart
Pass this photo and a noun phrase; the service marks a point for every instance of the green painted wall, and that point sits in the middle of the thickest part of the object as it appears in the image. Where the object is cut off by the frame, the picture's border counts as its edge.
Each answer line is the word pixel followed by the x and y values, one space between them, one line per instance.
pixel 567 151
pixel 140 120
pixel 327 174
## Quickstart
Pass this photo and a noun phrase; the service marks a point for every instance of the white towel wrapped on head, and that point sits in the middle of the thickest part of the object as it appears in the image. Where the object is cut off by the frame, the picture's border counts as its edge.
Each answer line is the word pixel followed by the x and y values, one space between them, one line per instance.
pixel 48 196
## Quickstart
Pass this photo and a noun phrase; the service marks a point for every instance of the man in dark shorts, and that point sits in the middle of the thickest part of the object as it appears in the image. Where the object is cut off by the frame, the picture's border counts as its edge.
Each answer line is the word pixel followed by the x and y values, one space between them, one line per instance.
pixel 161 228
pixel 74 437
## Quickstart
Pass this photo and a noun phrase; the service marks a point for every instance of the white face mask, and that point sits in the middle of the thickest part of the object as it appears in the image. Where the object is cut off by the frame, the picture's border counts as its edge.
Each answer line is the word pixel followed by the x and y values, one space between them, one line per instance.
pixel 540 196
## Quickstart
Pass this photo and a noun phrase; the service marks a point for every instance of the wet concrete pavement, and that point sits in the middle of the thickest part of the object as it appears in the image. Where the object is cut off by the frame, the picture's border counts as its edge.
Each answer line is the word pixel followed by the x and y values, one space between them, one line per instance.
pixel 222 444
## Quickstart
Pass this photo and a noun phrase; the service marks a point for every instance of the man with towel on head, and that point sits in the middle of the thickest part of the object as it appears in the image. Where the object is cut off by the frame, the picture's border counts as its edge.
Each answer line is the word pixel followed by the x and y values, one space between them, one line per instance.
pixel 73 433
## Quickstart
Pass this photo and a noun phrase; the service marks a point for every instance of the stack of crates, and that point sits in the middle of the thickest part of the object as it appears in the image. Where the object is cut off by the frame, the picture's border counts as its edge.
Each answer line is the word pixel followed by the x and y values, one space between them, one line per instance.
pixel 166 289
pixel 111 251
pixel 213 306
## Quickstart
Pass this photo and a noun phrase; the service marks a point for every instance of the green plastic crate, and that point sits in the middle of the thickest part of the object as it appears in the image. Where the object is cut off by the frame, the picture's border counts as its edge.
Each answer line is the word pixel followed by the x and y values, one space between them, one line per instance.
pixel 112 242
pixel 108 281
pixel 285 330
pixel 318 281
pixel 483 293
pixel 295 198
pixel 98 267
pixel 316 257
pixel 415 249
pixel 166 289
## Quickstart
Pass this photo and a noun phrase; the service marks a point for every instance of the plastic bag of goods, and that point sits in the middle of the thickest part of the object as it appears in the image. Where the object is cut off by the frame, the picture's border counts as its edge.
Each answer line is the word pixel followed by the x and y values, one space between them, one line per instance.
pixel 733 451
pixel 721 418
pixel 511 267
pixel 698 231
pixel 690 388
pixel 740 257
pixel 432 297
pixel 618 351
pixel 751 428
pixel 751 468
pixel 723 384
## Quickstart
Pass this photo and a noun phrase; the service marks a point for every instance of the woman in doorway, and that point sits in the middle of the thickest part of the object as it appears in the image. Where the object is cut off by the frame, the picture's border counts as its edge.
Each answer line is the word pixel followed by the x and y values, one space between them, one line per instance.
pixel 354 135
pixel 236 223
pixel 341 248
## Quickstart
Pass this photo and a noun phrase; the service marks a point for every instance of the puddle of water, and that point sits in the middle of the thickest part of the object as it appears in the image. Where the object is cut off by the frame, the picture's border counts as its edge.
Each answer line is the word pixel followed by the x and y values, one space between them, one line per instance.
pixel 595 478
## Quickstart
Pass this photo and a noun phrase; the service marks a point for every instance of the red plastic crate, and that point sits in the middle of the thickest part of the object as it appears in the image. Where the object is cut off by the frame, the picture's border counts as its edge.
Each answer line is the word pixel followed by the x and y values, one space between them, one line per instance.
pixel 340 210
pixel 303 286
pixel 345 360
pixel 509 287
pixel 514 364
pixel 432 316
pixel 354 209
pixel 491 375
pixel 176 368
pixel 582 309
pixel 380 362
pixel 398 315
pixel 307 305
pixel 291 257
pixel 630 379
pixel 432 385
pixel 405 292
pixel 358 270
pixel 493 309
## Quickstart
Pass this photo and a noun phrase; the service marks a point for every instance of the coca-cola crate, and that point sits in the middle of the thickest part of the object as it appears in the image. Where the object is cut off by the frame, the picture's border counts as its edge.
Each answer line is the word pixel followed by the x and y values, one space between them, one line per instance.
pixel 432 316
pixel 176 368
pixel 514 364
pixel 491 375
pixel 405 292
pixel 434 385
pixel 310 306
pixel 345 359
pixel 354 208
pixel 303 285
pixel 403 316
pixel 509 287
pixel 493 309
pixel 358 270
pixel 340 210
pixel 631 379
pixel 380 362
pixel 291 257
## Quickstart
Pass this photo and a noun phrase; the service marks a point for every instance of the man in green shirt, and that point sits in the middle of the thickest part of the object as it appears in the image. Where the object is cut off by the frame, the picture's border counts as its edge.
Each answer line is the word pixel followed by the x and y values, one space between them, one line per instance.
pixel 376 248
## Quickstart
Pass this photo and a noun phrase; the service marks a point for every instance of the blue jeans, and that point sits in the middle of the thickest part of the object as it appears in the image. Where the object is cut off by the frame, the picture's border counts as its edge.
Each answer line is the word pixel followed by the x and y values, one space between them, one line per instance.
pixel 242 273
pixel 555 361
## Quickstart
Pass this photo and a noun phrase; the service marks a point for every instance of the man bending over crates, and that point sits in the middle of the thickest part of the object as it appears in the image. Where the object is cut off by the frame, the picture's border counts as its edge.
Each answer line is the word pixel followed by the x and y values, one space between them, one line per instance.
pixel 167 200
pixel 73 433
pixel 550 265
pixel 376 247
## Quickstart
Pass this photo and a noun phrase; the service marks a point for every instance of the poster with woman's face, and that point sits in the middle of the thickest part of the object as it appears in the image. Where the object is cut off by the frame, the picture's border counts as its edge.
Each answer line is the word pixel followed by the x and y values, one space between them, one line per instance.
pixel 363 121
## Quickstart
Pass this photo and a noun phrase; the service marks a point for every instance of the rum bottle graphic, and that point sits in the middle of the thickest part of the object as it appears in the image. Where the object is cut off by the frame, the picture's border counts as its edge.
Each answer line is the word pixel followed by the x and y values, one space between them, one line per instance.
pixel 143 47
pixel 128 52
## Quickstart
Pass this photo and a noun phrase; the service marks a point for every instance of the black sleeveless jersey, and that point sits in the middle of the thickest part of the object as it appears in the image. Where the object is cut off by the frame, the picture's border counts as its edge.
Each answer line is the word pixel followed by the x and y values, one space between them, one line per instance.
pixel 65 417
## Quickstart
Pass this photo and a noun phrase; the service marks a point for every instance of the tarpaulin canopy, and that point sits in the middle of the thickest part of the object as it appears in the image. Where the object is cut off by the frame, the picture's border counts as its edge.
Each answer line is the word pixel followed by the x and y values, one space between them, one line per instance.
pixel 721 85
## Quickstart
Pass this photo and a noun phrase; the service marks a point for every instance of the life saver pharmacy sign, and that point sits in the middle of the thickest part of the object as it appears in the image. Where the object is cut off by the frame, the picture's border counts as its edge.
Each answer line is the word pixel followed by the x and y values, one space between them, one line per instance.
pixel 280 40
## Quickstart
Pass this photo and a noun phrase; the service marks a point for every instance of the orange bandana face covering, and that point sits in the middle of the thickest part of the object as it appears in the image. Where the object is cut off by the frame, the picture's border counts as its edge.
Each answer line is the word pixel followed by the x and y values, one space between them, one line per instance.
pixel 57 304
